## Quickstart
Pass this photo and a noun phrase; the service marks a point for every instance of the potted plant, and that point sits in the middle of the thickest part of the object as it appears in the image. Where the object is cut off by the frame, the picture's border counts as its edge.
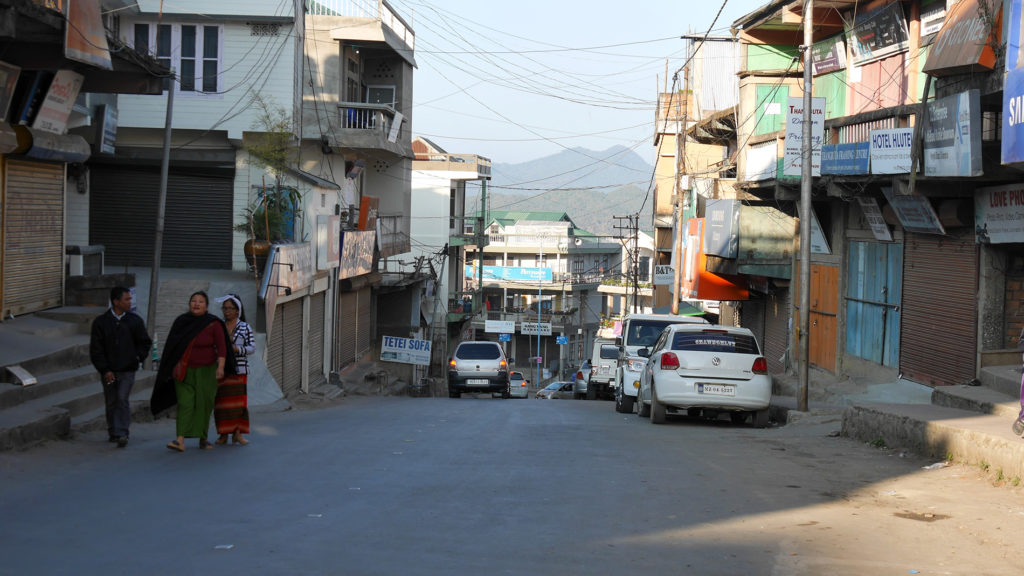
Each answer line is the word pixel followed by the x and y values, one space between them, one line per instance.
pixel 270 217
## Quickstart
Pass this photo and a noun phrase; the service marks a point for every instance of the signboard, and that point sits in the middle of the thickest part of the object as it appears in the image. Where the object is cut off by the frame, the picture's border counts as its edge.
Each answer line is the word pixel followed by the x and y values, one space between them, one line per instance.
pixel 85 38
pixel 498 326
pixel 60 98
pixel 793 160
pixel 535 328
pixel 762 160
pixel 369 208
pixel 915 212
pixel 890 150
pixel 356 253
pixel 295 263
pixel 829 55
pixel 405 350
pixel 932 17
pixel 873 217
pixel 561 340
pixel 328 241
pixel 951 146
pixel 107 134
pixel 664 275
pixel 999 214
pixel 1013 117
pixel 877 34
pixel 721 227
pixel 819 245
pixel 511 273
pixel 504 337
pixel 846 159
pixel 963 44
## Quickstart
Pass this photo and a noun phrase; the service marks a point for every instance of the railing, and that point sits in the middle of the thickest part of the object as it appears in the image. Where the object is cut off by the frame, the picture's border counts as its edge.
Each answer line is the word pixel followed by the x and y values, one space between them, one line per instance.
pixel 375 9
pixel 394 235
pixel 458 163
pixel 362 116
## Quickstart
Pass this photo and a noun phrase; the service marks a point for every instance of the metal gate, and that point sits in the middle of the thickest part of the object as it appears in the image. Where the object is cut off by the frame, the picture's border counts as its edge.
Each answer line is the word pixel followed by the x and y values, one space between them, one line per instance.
pixel 776 330
pixel 345 337
pixel 284 352
pixel 316 339
pixel 873 292
pixel 198 221
pixel 939 332
pixel 365 327
pixel 33 265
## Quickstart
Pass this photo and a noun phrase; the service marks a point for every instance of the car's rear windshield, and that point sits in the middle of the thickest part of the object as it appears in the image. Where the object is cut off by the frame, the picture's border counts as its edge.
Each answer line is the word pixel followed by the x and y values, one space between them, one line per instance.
pixel 609 351
pixel 643 333
pixel 715 342
pixel 479 352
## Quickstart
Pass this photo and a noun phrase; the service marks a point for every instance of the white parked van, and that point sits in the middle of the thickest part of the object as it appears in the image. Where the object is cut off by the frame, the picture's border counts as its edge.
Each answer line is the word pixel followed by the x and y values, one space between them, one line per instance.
pixel 639 331
pixel 602 369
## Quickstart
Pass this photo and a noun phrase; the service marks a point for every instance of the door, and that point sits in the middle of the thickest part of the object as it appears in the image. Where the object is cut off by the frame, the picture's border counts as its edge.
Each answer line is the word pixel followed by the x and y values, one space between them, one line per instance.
pixel 873 293
pixel 824 299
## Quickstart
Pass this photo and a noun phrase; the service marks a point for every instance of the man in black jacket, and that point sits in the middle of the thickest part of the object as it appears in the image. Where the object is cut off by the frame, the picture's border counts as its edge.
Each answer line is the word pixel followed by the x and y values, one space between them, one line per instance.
pixel 118 344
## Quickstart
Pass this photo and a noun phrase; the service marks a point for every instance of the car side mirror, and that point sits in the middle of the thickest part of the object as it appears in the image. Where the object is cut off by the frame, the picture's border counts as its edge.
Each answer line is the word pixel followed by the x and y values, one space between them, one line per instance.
pixel 618 341
pixel 645 352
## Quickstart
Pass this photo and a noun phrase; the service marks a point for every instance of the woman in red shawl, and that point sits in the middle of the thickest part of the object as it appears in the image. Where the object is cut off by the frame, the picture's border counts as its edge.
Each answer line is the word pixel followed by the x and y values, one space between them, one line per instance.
pixel 196 355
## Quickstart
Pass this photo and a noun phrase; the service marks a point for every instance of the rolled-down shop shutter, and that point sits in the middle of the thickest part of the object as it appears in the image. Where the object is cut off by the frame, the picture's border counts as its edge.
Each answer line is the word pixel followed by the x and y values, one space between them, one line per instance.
pixel 284 353
pixel 345 340
pixel 365 313
pixel 316 339
pixel 938 337
pixel 776 330
pixel 198 222
pixel 33 265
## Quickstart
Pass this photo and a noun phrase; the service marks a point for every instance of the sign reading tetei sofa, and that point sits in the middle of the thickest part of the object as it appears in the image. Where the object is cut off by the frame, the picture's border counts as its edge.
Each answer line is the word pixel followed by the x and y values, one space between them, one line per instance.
pixel 405 350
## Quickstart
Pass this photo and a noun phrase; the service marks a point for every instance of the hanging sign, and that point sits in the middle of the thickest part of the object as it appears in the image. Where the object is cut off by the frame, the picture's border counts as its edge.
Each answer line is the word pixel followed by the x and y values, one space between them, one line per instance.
pixel 793 161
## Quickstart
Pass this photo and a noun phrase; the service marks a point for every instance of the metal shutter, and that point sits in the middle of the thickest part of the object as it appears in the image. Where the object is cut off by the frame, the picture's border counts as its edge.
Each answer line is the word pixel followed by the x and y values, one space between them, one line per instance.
pixel 316 339
pixel 939 330
pixel 275 349
pixel 33 265
pixel 776 330
pixel 346 334
pixel 291 380
pixel 364 332
pixel 198 218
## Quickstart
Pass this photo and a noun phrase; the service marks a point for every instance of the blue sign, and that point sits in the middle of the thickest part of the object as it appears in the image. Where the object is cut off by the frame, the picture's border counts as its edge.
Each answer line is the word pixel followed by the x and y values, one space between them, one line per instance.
pixel 1013 116
pixel 511 273
pixel 561 339
pixel 845 159
pixel 504 337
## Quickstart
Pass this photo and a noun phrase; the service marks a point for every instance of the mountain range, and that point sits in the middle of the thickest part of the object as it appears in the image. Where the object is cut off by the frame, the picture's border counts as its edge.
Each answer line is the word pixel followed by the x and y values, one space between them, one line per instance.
pixel 590 186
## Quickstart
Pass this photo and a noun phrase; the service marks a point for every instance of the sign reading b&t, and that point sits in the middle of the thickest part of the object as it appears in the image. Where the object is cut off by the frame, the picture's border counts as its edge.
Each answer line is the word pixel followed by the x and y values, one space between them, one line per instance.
pixel 664 274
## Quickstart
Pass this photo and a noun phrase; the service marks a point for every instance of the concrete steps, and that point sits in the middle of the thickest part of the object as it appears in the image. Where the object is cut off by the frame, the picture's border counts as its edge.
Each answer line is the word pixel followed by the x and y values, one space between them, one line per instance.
pixel 966 424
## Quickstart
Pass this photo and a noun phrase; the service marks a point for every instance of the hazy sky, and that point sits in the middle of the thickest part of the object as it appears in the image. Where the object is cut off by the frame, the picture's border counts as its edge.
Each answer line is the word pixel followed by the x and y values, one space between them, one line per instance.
pixel 514 81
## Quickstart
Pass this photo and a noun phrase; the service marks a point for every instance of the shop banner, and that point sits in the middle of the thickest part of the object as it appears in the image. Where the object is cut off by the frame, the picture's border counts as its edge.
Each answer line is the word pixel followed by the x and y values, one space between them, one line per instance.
pixel 829 55
pixel 793 161
pixel 999 214
pixel 845 159
pixel 951 146
pixel 915 212
pixel 878 34
pixel 405 350
pixel 890 150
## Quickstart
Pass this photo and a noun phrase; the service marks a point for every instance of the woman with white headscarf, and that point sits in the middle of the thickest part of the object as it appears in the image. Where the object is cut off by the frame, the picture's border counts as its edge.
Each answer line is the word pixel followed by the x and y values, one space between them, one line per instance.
pixel 231 410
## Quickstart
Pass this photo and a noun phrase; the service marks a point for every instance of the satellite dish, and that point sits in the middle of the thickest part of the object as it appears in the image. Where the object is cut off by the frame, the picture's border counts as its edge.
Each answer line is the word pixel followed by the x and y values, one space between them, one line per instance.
pixel 577 241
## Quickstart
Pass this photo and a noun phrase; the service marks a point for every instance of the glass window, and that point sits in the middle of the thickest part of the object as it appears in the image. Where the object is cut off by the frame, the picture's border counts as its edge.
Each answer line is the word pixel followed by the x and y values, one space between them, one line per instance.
pixel 192 53
pixel 707 341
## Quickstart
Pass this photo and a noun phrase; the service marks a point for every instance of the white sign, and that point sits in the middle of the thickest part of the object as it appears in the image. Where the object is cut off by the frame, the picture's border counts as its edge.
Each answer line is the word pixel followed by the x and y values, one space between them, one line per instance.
pixel 873 216
pixel 405 350
pixel 535 328
pixel 499 326
pixel 664 275
pixel 890 150
pixel 819 245
pixel 60 98
pixel 999 214
pixel 793 160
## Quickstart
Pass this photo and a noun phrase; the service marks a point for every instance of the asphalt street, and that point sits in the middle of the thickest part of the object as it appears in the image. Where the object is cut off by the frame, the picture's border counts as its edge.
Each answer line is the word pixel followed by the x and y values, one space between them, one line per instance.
pixel 387 486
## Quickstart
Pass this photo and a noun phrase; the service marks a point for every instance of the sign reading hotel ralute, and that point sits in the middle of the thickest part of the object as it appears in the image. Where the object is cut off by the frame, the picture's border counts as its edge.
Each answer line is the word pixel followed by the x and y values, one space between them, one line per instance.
pixel 965 41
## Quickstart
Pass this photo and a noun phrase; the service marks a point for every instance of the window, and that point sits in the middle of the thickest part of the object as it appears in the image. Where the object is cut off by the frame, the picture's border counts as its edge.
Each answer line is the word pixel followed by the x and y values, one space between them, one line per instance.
pixel 381 95
pixel 451 209
pixel 577 265
pixel 193 51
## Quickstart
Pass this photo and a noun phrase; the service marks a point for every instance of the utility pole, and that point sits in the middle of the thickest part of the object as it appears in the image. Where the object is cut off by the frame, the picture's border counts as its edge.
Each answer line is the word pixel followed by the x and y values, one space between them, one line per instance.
pixel 161 208
pixel 677 250
pixel 806 181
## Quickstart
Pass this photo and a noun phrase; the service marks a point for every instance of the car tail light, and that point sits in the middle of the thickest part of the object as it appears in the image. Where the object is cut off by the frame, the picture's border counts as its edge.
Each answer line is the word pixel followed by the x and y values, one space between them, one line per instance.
pixel 579 375
pixel 669 361
pixel 760 366
pixel 451 363
pixel 503 364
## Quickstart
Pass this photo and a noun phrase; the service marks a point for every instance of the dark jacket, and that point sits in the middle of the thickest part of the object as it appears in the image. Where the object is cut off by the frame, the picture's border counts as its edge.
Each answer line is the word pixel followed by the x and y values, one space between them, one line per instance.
pixel 118 345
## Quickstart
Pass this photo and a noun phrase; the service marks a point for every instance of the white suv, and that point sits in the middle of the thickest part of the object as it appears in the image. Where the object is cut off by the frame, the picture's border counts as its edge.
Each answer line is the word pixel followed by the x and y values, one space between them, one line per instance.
pixel 639 331
pixel 478 366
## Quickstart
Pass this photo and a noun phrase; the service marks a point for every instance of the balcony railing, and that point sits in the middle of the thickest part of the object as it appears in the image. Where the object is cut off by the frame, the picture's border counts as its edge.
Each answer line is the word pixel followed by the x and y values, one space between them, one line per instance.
pixel 394 235
pixel 455 163
pixel 374 9
pixel 362 116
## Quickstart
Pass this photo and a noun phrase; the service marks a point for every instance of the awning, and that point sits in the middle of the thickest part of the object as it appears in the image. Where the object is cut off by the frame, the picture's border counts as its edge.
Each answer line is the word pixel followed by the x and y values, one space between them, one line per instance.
pixel 685 309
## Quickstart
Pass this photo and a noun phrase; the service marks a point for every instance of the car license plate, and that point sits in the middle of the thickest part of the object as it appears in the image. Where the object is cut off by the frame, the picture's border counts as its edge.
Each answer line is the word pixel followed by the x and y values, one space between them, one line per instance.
pixel 477 381
pixel 716 389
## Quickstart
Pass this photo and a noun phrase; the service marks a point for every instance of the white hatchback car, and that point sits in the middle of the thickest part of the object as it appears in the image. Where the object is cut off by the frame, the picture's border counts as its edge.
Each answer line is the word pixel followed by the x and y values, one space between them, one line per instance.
pixel 706 370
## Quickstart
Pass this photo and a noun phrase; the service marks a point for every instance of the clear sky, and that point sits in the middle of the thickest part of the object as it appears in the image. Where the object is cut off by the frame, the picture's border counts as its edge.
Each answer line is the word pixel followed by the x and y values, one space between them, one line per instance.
pixel 515 81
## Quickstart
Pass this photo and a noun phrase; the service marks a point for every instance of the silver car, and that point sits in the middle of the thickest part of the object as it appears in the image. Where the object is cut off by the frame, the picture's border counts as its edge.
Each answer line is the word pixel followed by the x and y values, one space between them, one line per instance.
pixel 556 390
pixel 478 366
pixel 519 387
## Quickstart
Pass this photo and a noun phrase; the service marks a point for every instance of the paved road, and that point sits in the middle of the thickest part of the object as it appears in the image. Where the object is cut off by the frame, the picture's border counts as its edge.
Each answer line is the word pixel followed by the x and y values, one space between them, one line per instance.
pixel 487 486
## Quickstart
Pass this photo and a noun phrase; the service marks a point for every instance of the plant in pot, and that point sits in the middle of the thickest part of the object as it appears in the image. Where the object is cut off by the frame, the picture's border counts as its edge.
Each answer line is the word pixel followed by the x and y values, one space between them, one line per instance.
pixel 271 216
